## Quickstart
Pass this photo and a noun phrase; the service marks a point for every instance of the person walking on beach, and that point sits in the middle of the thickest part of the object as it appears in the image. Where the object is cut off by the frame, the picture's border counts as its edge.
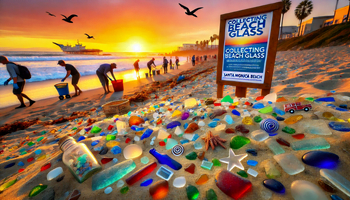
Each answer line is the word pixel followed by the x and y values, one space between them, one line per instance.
pixel 101 72
pixel 18 82
pixel 177 62
pixel 193 60
pixel 137 68
pixel 71 70
pixel 170 63
pixel 149 65
pixel 165 65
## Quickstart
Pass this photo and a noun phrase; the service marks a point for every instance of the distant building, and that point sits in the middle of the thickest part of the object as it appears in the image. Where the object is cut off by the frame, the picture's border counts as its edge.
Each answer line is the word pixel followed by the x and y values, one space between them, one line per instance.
pixel 288 32
pixel 340 16
pixel 186 47
pixel 312 24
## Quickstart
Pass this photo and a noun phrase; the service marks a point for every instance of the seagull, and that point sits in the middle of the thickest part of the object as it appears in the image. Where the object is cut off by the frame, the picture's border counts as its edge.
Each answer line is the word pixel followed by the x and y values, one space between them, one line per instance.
pixel 68 19
pixel 51 14
pixel 89 37
pixel 188 12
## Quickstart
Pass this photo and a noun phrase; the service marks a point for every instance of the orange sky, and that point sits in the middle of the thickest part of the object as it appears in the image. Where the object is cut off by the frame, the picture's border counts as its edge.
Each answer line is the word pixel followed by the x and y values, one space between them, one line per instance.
pixel 155 25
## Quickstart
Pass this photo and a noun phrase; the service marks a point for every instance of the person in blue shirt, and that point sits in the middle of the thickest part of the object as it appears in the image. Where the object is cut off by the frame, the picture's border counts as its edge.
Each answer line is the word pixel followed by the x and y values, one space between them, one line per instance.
pixel 101 72
pixel 193 60
pixel 18 82
pixel 165 65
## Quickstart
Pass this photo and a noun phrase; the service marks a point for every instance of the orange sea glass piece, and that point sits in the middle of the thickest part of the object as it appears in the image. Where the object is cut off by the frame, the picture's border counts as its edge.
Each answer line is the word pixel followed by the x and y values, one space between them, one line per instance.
pixel 327 115
pixel 135 120
pixel 259 98
pixel 281 99
pixel 293 119
pixel 159 189
pixel 192 127
pixel 298 136
pixel 200 155
pixel 202 179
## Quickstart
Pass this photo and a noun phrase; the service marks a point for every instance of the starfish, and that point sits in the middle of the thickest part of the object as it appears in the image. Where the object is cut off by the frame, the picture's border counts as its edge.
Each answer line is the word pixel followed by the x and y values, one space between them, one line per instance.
pixel 213 140
pixel 234 160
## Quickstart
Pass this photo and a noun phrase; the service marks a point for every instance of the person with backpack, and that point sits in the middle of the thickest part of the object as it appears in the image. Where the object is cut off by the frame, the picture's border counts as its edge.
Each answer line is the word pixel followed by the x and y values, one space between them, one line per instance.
pixel 177 62
pixel 18 74
pixel 71 70
pixel 165 65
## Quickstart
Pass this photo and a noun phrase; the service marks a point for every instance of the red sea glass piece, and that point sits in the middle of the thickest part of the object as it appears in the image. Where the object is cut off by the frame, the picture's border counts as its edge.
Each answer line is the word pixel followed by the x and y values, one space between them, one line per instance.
pixel 20 170
pixel 192 127
pixel 159 189
pixel 298 136
pixel 247 103
pixel 217 113
pixel 159 121
pixel 230 130
pixel 2 151
pixel 190 168
pixel 283 142
pixel 110 127
pixel 135 120
pixel 231 184
pixel 30 159
pixel 139 174
pixel 162 143
pixel 232 107
pixel 106 160
pixel 217 104
pixel 242 129
pixel 259 98
pixel 45 167
pixel 170 136
pixel 127 140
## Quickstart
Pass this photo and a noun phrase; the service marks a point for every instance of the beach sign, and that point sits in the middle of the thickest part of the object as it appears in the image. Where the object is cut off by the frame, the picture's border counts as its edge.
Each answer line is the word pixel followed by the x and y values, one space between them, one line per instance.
pixel 247 49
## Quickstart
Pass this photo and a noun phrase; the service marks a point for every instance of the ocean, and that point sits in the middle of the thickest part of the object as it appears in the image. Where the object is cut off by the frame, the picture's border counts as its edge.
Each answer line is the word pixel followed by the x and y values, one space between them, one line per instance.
pixel 43 65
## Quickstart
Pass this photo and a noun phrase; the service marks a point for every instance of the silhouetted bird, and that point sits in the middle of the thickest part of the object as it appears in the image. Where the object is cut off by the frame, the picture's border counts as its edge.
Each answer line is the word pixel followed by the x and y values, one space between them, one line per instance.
pixel 89 37
pixel 69 19
pixel 188 12
pixel 51 14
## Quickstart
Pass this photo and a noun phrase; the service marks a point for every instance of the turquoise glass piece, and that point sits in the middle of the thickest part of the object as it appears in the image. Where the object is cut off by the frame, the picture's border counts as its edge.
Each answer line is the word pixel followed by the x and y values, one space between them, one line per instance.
pixel 207 165
pixel 310 144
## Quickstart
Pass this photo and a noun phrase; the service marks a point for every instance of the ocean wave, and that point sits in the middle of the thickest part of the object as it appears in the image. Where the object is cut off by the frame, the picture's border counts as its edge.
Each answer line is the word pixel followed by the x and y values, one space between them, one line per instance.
pixel 66 58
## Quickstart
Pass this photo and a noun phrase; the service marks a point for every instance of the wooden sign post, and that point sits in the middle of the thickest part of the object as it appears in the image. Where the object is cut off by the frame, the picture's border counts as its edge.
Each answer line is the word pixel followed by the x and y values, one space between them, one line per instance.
pixel 247 49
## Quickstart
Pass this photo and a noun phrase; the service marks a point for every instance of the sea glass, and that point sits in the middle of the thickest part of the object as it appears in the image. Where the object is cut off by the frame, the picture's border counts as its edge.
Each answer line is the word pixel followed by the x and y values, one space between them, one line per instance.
pixel 207 165
pixel 247 121
pixel 159 189
pixel 142 172
pixel 191 156
pixel 231 184
pixel 340 126
pixel 162 134
pixel 317 127
pixel 211 195
pixel 191 168
pixel 265 110
pixel 337 180
pixel 242 173
pixel 95 129
pixel 170 143
pixel 321 159
pixel 293 119
pixel 176 113
pixel 238 141
pixel 305 190
pixel 202 179
pixel 192 127
pixel 121 127
pixel 185 115
pixel 227 98
pixel 310 144
pixel 270 170
pixel 164 173
pixel 112 174
pixel 288 130
pixel 135 120
pixel 178 131
pixel 7 184
pixel 146 134
pixel 54 173
pixel 228 119
pixel 132 151
pixel 289 163
pixel 190 103
pixel 36 190
pixel 274 185
pixel 165 159
pixel 179 182
pixel 192 192
pixel 274 146
pixel 146 182
pixel 173 124
pixel 259 135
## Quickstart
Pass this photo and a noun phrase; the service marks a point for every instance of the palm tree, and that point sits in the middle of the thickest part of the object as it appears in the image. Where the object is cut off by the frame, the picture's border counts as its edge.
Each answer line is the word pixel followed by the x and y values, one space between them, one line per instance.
pixel 303 10
pixel 201 44
pixel 286 7
pixel 211 40
pixel 197 44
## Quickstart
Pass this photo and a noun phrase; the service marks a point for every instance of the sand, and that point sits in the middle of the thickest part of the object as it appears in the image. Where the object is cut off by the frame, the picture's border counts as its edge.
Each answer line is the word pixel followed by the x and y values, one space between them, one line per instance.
pixel 297 73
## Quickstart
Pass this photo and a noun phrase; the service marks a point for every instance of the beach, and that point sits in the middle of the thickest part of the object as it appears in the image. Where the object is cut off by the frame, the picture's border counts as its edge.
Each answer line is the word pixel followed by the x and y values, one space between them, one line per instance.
pixel 299 76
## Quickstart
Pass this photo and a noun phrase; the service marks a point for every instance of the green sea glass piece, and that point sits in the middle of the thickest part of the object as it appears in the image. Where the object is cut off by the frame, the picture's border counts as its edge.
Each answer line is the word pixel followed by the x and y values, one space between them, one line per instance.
pixel 227 98
pixel 238 141
pixel 265 110
pixel 124 190
pixel 310 99
pixel 191 156
pixel 274 146
pixel 31 143
pixel 7 185
pixel 243 174
pixel 36 190
pixel 288 130
pixel 271 171
pixel 257 119
pixel 192 192
pixel 310 144
pixel 110 137
pixel 211 195
pixel 39 139
pixel 95 129
pixel 216 162
pixel 274 114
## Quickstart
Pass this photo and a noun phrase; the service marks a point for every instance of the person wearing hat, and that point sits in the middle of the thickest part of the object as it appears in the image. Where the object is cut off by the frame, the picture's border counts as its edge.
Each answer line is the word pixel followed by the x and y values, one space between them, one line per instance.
pixel 101 72
pixel 71 70
pixel 18 82
pixel 149 65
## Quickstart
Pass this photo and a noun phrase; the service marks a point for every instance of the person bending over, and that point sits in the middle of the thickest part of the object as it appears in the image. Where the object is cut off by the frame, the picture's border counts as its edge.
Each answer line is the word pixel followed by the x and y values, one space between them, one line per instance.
pixel 101 72
pixel 18 82
pixel 71 70
pixel 149 65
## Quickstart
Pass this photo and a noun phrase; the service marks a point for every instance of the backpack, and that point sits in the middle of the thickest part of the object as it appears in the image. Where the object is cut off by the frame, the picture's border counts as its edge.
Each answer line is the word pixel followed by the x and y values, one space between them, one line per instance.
pixel 23 71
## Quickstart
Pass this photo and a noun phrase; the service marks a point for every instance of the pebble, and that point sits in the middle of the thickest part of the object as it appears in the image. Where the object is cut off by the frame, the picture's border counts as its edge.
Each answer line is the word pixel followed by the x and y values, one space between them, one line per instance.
pixel 305 190
pixel 179 182
pixel 274 185
pixel 108 190
pixel 54 173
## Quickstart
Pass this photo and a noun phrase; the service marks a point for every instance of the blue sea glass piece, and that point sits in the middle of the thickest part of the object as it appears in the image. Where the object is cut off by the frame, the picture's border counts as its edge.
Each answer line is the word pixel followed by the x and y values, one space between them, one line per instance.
pixel 173 124
pixel 326 99
pixel 116 150
pixel 164 159
pixel 235 112
pixel 94 143
pixel 336 197
pixel 195 137
pixel 145 119
pixel 216 119
pixel 252 151
pixel 20 163
pixel 343 106
pixel 258 106
pixel 81 138
pixel 279 118
pixel 278 111
pixel 184 141
pixel 185 125
pixel 37 152
pixel 331 105
pixel 103 134
pixel 182 77
pixel 137 128
pixel 273 134
pixel 9 165
pixel 269 125
pixel 274 185
pixel 340 126
pixel 341 109
pixel 252 162
pixel 321 159
pixel 213 124
pixel 146 183
pixel 146 134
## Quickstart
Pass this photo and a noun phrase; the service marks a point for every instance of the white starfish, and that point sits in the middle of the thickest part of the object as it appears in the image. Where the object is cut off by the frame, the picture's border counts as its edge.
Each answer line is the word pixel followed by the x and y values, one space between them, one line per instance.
pixel 233 160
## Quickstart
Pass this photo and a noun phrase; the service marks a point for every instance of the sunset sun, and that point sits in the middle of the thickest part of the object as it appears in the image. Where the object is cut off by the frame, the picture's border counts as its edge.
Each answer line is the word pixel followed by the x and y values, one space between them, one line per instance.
pixel 136 47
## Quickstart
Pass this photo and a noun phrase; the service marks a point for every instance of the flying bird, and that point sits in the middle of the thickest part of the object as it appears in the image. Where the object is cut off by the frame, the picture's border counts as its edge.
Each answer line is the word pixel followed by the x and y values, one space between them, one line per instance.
pixel 89 37
pixel 69 19
pixel 51 14
pixel 188 12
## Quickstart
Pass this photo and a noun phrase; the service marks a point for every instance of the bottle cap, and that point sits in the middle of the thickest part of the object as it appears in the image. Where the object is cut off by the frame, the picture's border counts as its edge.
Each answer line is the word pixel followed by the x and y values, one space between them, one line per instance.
pixel 62 140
